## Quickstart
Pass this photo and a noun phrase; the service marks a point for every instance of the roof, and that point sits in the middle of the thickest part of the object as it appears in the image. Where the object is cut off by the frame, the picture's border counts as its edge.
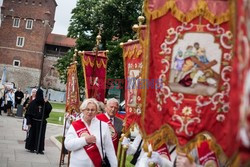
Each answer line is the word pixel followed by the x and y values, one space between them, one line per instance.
pixel 60 40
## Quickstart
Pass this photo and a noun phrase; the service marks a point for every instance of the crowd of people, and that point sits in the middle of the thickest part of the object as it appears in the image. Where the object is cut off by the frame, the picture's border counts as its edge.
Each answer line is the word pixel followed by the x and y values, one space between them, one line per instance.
pixel 92 135
pixel 10 99
pixel 35 109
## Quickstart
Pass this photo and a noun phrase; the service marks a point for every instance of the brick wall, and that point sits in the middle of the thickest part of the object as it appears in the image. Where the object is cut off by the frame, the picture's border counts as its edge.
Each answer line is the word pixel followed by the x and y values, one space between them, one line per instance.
pixel 34 38
pixel 50 75
pixel 23 77
pixel 42 13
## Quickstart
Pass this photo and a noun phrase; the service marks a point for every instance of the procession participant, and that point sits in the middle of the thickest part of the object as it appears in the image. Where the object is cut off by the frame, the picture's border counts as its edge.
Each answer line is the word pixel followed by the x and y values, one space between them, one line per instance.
pixel 68 119
pixel 161 156
pixel 201 155
pixel 29 99
pixel 115 123
pixel 34 118
pixel 10 98
pixel 1 98
pixel 89 139
pixel 18 97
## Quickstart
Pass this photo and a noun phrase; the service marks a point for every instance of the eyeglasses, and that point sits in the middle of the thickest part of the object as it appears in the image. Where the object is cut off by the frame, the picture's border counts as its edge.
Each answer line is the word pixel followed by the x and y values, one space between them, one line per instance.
pixel 90 110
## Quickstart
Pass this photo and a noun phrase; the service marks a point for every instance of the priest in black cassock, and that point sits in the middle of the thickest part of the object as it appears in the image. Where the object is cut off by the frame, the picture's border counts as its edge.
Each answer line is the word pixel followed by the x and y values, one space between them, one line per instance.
pixel 34 118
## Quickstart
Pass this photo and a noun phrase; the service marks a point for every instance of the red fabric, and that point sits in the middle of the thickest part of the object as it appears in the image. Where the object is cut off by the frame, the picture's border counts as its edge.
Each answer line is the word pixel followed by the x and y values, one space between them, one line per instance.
pixel 241 70
pixel 72 89
pixel 113 132
pixel 132 52
pixel 217 7
pixel 206 155
pixel 95 74
pixel 91 149
pixel 163 150
pixel 223 127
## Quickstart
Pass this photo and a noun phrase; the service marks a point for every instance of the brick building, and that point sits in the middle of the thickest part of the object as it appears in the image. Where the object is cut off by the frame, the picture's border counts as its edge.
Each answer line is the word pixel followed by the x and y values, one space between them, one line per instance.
pixel 56 46
pixel 25 29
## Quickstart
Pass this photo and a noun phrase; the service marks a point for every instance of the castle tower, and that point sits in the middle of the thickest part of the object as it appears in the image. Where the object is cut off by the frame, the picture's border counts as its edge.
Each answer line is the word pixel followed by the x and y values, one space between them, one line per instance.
pixel 24 28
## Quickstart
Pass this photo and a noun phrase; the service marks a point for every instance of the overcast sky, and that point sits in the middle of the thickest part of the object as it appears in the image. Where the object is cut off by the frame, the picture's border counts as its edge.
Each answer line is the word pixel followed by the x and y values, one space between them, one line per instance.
pixel 63 15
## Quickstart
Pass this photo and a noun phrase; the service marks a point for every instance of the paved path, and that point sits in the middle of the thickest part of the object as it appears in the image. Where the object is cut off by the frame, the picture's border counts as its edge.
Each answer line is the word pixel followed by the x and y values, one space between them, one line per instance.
pixel 12 151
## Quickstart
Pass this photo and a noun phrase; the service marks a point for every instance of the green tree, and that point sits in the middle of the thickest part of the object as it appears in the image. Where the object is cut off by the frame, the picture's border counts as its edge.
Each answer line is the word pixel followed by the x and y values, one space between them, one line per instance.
pixel 116 17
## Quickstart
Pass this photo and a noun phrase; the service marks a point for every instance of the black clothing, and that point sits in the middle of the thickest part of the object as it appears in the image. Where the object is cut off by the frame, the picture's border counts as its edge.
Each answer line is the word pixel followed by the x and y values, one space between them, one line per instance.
pixel 18 97
pixel 34 118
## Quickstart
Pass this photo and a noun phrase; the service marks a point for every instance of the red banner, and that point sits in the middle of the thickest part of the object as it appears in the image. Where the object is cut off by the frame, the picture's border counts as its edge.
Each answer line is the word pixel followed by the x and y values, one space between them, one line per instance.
pixel 72 89
pixel 94 68
pixel 133 60
pixel 240 101
pixel 190 56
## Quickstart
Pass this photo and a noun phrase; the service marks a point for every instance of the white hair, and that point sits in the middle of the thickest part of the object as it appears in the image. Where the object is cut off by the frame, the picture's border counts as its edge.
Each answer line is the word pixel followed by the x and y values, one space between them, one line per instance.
pixel 87 101
pixel 33 90
pixel 112 100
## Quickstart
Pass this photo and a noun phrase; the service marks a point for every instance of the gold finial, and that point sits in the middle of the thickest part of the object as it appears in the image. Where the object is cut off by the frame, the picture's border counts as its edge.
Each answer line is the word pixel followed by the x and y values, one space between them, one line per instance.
pixel 141 20
pixel 121 44
pixel 99 37
pixel 135 27
pixel 75 55
pixel 81 52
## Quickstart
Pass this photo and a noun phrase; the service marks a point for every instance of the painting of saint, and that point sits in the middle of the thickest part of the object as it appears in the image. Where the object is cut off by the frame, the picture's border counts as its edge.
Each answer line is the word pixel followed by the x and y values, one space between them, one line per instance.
pixel 195 65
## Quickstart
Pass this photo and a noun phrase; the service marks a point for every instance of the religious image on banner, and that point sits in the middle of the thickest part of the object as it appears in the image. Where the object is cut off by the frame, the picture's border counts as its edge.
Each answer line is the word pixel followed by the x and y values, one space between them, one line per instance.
pixel 195 64
pixel 133 79
pixel 72 89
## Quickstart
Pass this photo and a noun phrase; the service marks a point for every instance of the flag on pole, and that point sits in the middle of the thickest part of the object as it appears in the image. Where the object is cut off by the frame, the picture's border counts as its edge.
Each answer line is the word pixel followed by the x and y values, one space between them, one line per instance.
pixel 190 54
pixel 72 89
pixel 94 68
pixel 133 60
pixel 3 79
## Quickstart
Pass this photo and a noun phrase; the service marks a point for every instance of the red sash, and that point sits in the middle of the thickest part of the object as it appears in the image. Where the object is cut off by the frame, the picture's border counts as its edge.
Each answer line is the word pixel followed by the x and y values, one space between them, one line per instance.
pixel 206 156
pixel 91 149
pixel 163 150
pixel 114 134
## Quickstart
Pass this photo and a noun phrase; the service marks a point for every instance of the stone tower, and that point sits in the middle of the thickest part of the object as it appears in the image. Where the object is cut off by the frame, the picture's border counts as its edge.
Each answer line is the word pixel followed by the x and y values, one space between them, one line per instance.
pixel 25 26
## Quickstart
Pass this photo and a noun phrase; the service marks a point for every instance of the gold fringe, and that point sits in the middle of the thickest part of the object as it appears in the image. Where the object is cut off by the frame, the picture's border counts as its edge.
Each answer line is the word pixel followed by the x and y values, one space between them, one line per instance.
pixel 200 10
pixel 133 52
pixel 84 75
pixel 166 134
pixel 88 62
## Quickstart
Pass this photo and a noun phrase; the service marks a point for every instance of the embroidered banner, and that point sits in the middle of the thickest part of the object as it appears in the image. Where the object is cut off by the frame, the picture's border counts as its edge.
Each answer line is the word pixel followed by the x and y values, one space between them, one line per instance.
pixel 94 68
pixel 133 57
pixel 72 89
pixel 190 54
pixel 240 93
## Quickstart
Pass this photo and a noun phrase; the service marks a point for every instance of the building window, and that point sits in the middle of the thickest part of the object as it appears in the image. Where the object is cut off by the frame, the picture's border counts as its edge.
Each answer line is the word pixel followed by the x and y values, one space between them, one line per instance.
pixel 16 22
pixel 16 63
pixel 20 42
pixel 29 24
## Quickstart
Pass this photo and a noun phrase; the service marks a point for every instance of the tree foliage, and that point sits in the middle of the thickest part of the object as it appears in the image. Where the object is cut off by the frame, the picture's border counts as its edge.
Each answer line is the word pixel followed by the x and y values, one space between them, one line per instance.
pixel 116 17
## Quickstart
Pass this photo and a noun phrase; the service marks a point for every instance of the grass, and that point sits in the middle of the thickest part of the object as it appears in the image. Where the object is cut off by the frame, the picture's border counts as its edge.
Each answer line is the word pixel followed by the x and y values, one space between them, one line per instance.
pixel 128 159
pixel 54 118
pixel 59 138
pixel 58 106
